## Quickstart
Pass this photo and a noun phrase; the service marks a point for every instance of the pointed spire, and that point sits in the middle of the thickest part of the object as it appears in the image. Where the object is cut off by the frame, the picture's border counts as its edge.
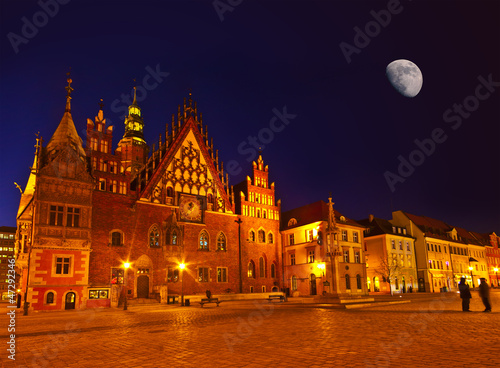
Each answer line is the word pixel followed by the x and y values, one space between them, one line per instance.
pixel 135 94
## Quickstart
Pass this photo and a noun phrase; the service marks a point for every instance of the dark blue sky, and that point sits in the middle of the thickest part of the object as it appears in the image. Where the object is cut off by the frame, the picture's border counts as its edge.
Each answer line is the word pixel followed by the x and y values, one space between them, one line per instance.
pixel 350 124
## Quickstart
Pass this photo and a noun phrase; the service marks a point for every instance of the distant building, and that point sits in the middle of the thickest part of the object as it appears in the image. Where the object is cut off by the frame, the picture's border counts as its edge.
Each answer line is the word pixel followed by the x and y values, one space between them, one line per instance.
pixel 85 212
pixel 491 243
pixel 323 251
pixel 444 254
pixel 390 257
pixel 7 241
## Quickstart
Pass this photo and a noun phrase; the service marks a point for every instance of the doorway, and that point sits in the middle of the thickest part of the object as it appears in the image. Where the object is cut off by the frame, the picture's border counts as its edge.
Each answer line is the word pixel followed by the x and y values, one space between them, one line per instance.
pixel 143 286
pixel 70 301
pixel 313 284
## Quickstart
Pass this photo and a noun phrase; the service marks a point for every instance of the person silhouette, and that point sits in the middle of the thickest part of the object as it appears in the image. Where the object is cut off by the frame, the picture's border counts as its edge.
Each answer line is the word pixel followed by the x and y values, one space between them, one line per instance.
pixel 465 294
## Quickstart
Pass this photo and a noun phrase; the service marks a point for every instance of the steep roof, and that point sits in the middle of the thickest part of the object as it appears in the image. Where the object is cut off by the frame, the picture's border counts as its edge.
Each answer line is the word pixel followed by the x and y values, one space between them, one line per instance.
pixel 316 211
pixel 380 226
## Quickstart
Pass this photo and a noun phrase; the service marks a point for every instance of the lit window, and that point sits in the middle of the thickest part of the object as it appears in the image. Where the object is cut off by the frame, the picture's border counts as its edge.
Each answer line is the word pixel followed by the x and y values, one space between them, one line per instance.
pixel 310 258
pixel 154 238
pixel 203 274
pixel 204 240
pixel 173 274
pixel 309 235
pixel 251 270
pixel 98 294
pixel 117 276
pixel 344 235
pixel 221 274
pixel 221 242
pixel 355 237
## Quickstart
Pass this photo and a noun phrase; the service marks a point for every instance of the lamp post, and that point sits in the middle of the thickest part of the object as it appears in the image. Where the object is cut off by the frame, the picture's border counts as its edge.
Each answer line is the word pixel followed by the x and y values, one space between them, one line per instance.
pixel 182 266
pixel 472 277
pixel 496 274
pixel 126 266
pixel 239 254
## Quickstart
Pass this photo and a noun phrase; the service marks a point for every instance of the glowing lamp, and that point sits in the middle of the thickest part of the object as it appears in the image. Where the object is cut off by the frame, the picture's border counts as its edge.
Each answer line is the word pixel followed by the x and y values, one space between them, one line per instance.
pixel 126 265
pixel 182 266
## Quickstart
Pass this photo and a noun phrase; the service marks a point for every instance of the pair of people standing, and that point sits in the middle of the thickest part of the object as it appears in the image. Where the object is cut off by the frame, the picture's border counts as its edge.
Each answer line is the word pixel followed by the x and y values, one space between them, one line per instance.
pixel 484 293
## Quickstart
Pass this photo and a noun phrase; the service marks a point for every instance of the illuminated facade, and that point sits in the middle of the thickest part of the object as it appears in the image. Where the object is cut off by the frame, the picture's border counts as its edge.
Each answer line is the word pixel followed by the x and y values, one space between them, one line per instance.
pixel 323 252
pixel 86 212
pixel 7 235
pixel 444 254
pixel 390 257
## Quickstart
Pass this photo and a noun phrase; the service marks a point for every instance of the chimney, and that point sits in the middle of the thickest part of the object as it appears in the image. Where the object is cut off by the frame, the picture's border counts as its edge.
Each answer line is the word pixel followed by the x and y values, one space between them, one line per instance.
pixel 370 218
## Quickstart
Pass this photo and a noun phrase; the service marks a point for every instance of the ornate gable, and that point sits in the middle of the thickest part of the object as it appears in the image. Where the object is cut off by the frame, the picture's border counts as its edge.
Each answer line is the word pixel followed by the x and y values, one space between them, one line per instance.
pixel 185 163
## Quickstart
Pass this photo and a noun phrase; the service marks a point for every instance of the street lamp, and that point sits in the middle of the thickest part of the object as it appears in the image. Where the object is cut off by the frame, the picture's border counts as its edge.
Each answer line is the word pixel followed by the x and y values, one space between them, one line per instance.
pixel 472 277
pixel 182 266
pixel 496 274
pixel 126 266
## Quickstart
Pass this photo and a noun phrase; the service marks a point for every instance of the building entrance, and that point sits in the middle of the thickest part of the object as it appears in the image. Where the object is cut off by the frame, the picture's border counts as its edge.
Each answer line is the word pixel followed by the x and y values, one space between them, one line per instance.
pixel 143 286
pixel 313 284
pixel 70 301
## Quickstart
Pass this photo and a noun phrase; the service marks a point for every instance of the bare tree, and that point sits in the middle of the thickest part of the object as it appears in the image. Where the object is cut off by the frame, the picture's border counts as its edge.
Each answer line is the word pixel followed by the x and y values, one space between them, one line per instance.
pixel 388 269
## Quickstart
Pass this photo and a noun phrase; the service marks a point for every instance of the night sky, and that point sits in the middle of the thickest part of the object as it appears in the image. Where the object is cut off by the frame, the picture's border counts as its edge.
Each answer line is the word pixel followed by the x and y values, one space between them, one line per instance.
pixel 249 63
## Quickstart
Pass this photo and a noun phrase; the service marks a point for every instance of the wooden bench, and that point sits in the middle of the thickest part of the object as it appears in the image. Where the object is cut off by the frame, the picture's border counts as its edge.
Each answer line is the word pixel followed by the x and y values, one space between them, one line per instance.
pixel 209 300
pixel 280 297
pixel 171 299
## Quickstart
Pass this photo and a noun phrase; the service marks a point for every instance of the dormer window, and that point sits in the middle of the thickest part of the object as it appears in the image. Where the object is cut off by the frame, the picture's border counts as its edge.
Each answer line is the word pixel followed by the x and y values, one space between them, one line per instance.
pixel 292 222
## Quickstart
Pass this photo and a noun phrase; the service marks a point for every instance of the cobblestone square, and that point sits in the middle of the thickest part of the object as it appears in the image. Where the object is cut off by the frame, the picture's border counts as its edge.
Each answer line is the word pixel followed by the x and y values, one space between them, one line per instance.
pixel 424 331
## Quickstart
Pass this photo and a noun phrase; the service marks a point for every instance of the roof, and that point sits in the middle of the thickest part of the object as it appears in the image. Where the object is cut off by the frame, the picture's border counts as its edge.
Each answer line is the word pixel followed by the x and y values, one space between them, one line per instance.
pixel 313 212
pixel 64 136
pixel 7 229
pixel 380 226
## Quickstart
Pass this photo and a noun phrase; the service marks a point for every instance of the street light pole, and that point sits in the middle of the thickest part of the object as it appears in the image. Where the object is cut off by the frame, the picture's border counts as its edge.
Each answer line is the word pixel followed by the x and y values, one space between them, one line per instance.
pixel 182 266
pixel 239 253
pixel 126 266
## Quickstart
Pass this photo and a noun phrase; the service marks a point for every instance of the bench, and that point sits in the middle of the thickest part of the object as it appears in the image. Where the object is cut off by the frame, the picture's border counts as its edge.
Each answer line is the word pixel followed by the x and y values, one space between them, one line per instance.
pixel 171 299
pixel 209 300
pixel 280 297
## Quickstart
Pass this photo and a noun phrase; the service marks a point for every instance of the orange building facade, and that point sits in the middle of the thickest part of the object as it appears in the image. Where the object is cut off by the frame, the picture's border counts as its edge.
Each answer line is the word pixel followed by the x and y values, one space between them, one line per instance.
pixel 86 212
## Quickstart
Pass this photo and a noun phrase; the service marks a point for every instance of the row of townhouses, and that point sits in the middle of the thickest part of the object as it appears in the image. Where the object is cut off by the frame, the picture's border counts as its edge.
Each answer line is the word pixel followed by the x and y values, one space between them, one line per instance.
pixel 97 227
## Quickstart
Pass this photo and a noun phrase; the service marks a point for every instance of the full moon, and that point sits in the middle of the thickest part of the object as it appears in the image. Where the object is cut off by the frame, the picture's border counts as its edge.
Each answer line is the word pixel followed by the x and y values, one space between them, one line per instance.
pixel 405 76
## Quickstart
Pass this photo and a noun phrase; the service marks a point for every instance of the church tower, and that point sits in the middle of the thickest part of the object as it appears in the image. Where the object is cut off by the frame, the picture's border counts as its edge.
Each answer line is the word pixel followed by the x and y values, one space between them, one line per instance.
pixel 132 147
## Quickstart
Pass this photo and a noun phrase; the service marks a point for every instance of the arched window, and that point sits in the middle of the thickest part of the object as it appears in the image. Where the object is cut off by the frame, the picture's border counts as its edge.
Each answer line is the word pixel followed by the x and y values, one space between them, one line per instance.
pixel 292 222
pixel 154 237
pixel 221 242
pixel 262 267
pixel 264 214
pixel 204 240
pixel 376 284
pixel 347 282
pixel 262 236
pixel 273 270
pixel 270 239
pixel 174 237
pixel 170 192
pixel 210 198
pixel 251 236
pixel 116 238
pixel 251 270
pixel 294 282
pixel 358 281
pixel 50 297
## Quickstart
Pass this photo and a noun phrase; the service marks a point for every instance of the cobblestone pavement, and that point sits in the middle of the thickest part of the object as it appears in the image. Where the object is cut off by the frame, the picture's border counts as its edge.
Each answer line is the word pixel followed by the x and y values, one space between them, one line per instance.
pixel 430 331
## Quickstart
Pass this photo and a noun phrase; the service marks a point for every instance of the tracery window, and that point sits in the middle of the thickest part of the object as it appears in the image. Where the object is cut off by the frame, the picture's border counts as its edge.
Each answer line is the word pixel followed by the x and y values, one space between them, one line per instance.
pixel 203 240
pixel 154 237
pixel 221 242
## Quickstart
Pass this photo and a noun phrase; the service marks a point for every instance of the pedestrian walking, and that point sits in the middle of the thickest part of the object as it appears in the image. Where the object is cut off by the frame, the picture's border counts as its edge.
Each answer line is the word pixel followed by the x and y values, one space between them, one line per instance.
pixel 484 293
pixel 464 294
